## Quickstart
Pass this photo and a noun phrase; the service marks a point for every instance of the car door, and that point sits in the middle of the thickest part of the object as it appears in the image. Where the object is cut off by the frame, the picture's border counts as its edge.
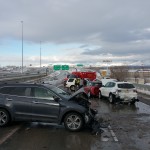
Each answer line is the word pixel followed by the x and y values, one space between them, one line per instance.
pixel 45 108
pixel 87 87
pixel 104 89
pixel 20 102
pixel 109 88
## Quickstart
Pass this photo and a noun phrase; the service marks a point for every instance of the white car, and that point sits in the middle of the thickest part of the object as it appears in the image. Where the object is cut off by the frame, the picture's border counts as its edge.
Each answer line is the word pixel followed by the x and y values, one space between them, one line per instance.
pixel 72 83
pixel 104 81
pixel 119 92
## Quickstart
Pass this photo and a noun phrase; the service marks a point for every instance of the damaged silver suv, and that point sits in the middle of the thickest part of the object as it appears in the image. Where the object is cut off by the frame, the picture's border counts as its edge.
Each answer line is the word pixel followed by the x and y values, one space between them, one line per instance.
pixel 44 103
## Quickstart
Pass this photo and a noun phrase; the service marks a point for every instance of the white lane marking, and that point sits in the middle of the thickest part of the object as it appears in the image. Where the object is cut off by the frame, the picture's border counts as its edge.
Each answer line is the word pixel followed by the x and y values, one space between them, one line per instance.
pixel 113 134
pixel 9 135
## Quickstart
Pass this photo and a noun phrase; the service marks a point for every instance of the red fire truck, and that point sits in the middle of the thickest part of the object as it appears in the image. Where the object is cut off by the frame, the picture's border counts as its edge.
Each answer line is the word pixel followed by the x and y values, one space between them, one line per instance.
pixel 88 75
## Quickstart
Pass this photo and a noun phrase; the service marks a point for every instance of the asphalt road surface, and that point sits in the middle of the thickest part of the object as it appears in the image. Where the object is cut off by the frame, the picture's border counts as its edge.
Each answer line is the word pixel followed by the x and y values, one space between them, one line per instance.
pixel 129 129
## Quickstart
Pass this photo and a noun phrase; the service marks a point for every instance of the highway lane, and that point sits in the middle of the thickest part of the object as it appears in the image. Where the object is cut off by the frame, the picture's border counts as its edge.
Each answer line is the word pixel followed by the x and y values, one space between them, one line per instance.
pixel 129 129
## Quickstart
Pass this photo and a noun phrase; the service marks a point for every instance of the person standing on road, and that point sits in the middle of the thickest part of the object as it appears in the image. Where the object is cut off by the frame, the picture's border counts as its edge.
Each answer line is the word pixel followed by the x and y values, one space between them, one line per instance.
pixel 84 82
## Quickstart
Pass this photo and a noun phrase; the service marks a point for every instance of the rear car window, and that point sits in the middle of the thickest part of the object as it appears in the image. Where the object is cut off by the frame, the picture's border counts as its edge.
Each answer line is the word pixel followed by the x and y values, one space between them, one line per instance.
pixel 70 80
pixel 96 84
pixel 126 86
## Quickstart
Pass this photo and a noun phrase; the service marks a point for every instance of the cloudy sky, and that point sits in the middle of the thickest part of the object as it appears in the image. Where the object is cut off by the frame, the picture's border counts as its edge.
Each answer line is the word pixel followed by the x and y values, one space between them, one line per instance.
pixel 75 31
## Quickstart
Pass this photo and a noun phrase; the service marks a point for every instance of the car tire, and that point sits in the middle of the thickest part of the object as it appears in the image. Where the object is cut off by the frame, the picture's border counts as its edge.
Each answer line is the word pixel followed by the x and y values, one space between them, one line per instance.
pixel 132 103
pixel 100 95
pixel 72 88
pixel 111 98
pixel 4 117
pixel 73 122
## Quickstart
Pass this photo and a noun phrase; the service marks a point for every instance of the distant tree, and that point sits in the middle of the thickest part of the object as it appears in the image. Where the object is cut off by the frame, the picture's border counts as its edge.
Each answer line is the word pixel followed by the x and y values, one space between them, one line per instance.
pixel 119 72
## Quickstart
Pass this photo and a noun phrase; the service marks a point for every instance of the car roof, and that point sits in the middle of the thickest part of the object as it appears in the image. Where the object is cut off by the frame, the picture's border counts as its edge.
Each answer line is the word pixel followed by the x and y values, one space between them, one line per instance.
pixel 121 82
pixel 26 84
pixel 96 81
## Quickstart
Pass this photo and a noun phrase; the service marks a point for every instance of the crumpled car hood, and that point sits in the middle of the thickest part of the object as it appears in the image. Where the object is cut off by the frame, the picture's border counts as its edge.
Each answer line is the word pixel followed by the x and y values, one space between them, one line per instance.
pixel 79 92
pixel 81 98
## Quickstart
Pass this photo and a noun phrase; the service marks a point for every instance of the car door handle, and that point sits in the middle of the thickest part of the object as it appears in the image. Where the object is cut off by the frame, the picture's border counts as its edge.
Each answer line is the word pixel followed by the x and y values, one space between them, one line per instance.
pixel 9 99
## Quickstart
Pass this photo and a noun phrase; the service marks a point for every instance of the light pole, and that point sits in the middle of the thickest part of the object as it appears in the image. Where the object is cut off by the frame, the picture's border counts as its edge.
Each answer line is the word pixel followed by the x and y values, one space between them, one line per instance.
pixel 40 54
pixel 107 61
pixel 22 48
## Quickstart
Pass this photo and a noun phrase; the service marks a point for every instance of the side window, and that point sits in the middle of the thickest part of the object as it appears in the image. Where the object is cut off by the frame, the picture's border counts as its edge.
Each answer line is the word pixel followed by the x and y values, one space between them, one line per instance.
pixel 43 93
pixel 107 84
pixel 70 80
pixel 20 91
pixel 28 92
pixel 6 90
pixel 88 84
pixel 112 84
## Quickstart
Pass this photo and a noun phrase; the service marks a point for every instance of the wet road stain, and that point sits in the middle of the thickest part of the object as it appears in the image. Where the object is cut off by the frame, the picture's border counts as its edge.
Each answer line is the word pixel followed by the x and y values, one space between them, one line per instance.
pixel 46 136
pixel 105 107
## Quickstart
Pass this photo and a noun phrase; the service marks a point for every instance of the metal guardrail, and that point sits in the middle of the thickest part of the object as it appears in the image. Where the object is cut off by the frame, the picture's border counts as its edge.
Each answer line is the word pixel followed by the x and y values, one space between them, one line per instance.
pixel 142 86
pixel 22 77
pixel 145 89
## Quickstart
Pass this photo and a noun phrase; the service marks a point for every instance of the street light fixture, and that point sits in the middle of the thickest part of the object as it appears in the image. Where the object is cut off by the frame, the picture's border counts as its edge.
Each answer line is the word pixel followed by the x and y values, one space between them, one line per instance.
pixel 22 47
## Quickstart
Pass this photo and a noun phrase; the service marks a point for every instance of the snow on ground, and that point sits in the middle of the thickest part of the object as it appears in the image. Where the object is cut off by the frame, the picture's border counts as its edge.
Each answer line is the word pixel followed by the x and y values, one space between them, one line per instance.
pixel 144 92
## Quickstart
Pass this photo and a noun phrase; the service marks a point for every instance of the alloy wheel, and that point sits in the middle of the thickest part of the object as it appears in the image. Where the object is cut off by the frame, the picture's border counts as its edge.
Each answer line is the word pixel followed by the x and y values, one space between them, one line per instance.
pixel 3 118
pixel 110 98
pixel 73 122
pixel 99 95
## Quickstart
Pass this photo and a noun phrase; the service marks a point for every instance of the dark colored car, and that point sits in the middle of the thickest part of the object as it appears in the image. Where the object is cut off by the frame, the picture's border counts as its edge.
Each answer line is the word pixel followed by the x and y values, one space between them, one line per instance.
pixel 92 88
pixel 44 103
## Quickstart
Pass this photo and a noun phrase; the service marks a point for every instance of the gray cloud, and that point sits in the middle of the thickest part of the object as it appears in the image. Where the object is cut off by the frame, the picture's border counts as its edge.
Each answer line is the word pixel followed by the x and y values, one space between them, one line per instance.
pixel 74 20
pixel 115 26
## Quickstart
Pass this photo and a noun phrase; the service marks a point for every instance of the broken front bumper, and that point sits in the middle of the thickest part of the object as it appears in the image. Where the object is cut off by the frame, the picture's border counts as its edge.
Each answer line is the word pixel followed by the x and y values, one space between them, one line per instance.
pixel 90 115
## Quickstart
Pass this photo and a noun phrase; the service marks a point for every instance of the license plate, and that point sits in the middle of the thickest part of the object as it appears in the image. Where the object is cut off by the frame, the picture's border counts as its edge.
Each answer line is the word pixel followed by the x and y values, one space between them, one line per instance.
pixel 126 91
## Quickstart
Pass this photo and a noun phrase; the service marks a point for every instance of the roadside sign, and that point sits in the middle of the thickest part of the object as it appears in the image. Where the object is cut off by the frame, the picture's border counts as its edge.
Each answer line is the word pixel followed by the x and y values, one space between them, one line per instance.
pixel 104 73
pixel 61 67
pixel 65 67
pixel 80 65
pixel 56 67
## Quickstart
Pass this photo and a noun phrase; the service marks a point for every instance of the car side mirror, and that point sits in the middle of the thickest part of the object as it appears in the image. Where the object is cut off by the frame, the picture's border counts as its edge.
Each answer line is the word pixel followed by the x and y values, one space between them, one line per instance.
pixel 57 99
